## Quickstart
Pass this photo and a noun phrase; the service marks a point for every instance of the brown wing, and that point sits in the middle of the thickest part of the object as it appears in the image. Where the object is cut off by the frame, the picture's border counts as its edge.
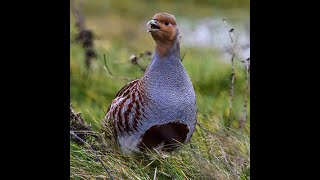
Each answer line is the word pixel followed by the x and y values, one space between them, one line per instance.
pixel 121 91
pixel 121 121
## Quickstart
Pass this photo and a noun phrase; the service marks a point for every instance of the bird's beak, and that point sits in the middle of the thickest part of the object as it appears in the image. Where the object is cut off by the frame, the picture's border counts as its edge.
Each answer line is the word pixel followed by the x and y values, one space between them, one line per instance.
pixel 154 26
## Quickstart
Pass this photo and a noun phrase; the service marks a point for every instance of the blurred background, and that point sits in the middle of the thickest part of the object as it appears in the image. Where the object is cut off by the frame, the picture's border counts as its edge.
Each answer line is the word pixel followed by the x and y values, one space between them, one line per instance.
pixel 118 30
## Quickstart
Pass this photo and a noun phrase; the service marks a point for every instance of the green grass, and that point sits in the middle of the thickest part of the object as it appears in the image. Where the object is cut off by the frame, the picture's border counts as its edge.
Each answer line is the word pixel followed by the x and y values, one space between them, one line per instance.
pixel 211 154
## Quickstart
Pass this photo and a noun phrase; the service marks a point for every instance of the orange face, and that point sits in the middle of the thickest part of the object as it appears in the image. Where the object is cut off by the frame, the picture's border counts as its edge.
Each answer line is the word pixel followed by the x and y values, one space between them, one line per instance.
pixel 163 27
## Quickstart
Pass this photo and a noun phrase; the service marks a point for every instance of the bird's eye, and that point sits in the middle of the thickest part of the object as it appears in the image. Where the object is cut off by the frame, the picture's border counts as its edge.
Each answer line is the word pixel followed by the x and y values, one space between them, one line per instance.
pixel 166 23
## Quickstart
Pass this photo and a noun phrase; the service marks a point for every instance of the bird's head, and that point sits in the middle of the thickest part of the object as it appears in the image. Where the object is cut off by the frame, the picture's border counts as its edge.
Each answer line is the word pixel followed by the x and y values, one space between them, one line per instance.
pixel 163 29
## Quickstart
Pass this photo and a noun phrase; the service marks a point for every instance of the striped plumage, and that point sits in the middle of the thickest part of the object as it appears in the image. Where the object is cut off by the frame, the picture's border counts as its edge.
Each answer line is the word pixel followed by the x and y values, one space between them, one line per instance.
pixel 127 109
pixel 157 110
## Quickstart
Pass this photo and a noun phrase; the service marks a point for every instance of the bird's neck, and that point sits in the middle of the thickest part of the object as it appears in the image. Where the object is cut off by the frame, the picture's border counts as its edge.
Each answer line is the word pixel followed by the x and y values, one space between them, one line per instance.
pixel 166 71
pixel 167 48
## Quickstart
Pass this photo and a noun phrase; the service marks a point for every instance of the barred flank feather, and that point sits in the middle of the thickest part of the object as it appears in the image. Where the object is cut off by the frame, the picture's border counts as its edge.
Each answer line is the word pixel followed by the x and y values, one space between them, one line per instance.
pixel 126 109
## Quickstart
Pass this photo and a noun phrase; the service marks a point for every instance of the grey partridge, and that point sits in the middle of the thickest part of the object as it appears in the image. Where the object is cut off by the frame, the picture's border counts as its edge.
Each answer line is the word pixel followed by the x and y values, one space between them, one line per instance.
pixel 159 109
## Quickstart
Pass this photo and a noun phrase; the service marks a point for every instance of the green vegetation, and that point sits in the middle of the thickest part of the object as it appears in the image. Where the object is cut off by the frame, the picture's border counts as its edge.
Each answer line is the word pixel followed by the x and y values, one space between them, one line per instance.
pixel 119 27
